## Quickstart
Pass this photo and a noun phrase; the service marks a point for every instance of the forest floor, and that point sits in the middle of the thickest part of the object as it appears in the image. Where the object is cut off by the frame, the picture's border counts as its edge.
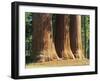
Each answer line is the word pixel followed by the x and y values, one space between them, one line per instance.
pixel 70 62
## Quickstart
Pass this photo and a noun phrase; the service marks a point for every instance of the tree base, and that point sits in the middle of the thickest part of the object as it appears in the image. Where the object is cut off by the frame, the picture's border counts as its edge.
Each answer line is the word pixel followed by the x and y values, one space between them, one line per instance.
pixel 67 55
pixel 45 56
pixel 79 54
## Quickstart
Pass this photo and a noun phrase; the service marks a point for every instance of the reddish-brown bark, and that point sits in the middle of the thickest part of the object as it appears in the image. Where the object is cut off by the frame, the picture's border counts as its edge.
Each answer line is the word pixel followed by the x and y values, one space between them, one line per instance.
pixel 62 39
pixel 75 36
pixel 43 46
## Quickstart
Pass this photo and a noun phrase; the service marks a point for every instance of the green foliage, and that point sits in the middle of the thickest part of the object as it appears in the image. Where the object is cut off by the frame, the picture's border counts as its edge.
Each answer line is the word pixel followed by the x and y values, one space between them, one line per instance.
pixel 85 34
pixel 54 25
pixel 28 36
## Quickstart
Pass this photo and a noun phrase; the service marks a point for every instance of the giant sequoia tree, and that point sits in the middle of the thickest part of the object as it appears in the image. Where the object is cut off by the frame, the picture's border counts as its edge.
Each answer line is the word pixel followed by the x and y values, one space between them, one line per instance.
pixel 62 39
pixel 49 37
pixel 75 36
pixel 42 38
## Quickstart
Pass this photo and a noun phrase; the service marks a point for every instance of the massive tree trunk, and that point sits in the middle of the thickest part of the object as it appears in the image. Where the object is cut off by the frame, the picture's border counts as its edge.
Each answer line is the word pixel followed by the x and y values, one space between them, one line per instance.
pixel 62 40
pixel 43 45
pixel 75 36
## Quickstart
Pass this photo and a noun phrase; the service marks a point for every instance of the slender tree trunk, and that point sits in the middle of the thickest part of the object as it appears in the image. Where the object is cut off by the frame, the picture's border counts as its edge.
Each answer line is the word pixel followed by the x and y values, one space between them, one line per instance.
pixel 75 36
pixel 62 40
pixel 43 45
